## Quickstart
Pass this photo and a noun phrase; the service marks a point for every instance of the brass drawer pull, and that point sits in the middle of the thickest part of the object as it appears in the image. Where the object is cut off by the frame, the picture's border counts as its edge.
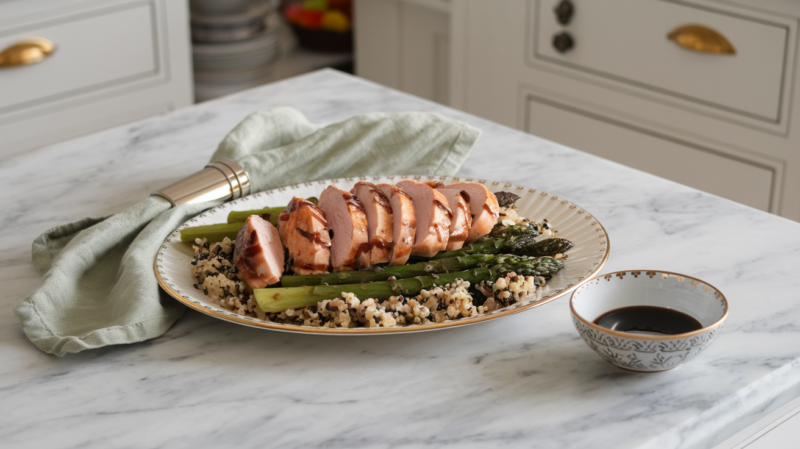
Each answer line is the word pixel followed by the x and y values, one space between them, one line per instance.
pixel 701 39
pixel 26 52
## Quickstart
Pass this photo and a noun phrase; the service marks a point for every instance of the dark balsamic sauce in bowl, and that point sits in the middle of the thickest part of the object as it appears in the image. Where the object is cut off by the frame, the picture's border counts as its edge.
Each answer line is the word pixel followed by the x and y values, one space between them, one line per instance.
pixel 650 320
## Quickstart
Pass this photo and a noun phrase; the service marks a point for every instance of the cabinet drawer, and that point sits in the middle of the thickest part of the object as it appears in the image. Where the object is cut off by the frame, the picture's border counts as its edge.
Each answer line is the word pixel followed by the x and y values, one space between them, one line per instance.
pixel 93 51
pixel 743 181
pixel 626 40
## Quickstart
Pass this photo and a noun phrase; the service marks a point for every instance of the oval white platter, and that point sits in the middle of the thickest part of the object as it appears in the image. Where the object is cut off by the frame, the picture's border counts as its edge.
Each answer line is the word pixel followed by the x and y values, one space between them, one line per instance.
pixel 172 264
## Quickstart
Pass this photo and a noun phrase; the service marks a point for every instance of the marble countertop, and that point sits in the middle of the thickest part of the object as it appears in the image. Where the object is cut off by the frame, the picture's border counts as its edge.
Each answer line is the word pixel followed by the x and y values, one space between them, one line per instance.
pixel 527 380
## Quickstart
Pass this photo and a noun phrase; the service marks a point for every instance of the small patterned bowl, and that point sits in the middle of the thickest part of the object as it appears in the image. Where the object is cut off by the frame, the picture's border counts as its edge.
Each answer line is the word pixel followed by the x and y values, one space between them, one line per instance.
pixel 642 352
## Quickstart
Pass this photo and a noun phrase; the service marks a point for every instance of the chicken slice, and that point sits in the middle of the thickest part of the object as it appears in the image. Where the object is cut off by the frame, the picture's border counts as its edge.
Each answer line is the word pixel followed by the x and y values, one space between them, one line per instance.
pixel 482 205
pixel 460 224
pixel 259 253
pixel 304 232
pixel 433 218
pixel 379 220
pixel 347 222
pixel 405 223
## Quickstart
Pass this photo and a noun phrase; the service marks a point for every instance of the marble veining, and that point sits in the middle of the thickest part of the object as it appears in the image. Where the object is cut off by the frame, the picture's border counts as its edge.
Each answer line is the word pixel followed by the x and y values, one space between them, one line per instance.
pixel 527 380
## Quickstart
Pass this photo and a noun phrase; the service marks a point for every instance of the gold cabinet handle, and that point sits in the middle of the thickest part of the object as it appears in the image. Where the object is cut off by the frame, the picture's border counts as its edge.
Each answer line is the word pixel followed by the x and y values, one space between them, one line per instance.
pixel 26 52
pixel 701 39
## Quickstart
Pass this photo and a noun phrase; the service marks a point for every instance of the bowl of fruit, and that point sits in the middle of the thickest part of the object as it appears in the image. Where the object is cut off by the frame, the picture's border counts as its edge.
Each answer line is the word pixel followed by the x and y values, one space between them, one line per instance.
pixel 322 25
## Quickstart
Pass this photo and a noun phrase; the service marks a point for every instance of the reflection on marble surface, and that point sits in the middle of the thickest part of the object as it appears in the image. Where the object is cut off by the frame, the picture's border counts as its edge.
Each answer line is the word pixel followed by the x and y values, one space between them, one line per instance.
pixel 527 380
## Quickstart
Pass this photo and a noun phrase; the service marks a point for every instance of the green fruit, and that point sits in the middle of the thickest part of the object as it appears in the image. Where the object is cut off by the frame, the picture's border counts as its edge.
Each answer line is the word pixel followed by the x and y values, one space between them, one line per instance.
pixel 315 5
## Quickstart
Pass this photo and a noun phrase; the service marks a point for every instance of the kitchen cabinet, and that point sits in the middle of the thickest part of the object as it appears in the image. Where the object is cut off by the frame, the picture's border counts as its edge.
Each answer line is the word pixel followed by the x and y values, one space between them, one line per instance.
pixel 624 91
pixel 626 41
pixel 660 154
pixel 405 44
pixel 619 88
pixel 114 62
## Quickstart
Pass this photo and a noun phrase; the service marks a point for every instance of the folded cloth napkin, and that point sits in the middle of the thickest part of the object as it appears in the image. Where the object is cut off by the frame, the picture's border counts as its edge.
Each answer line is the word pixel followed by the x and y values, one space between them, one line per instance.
pixel 99 288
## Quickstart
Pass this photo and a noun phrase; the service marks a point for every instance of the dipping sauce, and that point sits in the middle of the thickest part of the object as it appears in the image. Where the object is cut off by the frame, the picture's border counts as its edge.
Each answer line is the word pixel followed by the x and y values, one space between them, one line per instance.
pixel 648 320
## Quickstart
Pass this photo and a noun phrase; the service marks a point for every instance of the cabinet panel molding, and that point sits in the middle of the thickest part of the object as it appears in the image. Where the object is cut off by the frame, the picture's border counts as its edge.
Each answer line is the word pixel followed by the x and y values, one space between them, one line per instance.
pixel 94 50
pixel 495 70
pixel 626 40
pixel 749 182
pixel 115 61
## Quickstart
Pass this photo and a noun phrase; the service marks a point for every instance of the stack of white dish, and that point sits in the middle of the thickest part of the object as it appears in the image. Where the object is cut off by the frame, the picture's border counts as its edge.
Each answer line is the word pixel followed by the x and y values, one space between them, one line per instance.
pixel 232 51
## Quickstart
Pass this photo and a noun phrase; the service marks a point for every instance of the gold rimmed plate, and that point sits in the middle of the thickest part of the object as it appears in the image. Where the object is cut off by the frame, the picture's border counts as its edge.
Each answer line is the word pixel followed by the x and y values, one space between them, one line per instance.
pixel 173 261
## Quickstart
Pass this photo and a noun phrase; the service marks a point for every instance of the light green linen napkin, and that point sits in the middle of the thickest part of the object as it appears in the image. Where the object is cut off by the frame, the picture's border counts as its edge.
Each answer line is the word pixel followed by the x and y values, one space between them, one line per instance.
pixel 99 288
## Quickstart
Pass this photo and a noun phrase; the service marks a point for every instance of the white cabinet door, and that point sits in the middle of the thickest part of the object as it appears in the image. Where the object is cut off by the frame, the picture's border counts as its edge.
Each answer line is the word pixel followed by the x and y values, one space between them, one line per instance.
pixel 405 44
pixel 693 165
pixel 115 61
pixel 93 51
pixel 627 93
pixel 627 40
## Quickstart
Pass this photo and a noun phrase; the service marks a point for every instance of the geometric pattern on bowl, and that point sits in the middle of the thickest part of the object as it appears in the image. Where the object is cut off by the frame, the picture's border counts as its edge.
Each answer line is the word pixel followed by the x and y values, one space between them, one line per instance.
pixel 645 352
pixel 585 260
pixel 650 356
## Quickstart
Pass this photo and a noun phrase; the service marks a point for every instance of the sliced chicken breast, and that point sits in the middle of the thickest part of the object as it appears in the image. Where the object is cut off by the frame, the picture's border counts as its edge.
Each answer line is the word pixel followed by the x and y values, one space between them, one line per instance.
pixel 304 232
pixel 347 223
pixel 482 205
pixel 259 253
pixel 404 228
pixel 379 221
pixel 461 222
pixel 433 218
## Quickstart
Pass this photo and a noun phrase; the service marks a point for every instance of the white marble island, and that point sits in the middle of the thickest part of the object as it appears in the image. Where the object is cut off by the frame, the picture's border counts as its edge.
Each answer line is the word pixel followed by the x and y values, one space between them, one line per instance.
pixel 527 380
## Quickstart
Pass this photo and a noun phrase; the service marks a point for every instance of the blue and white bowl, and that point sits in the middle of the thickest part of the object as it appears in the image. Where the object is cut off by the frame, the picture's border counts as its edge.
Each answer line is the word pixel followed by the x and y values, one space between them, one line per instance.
pixel 647 352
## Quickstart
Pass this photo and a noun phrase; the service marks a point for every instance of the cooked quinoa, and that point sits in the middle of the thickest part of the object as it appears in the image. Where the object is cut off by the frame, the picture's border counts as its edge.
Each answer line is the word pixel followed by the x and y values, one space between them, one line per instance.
pixel 215 273
pixel 508 290
pixel 216 276
pixel 510 217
